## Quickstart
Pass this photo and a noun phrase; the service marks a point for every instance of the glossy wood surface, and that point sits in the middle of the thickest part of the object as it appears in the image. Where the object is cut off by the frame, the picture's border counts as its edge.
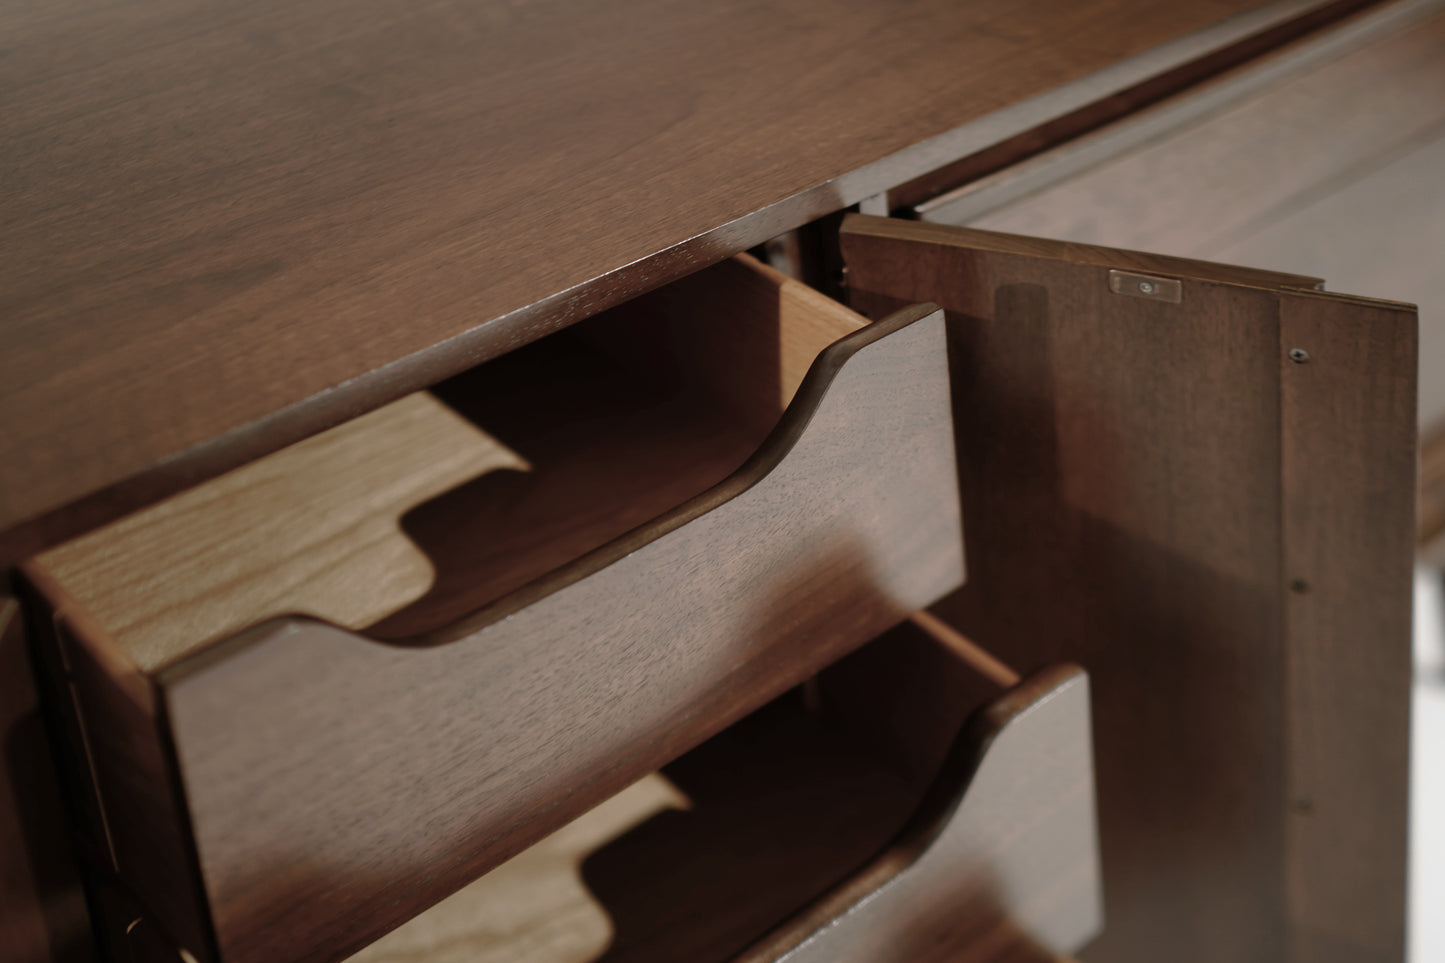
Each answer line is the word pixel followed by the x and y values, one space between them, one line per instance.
pixel 313 529
pixel 414 515
pixel 1140 482
pixel 476 739
pixel 1335 166
pixel 1228 137
pixel 811 796
pixel 1000 860
pixel 1002 160
pixel 228 229
pixel 536 907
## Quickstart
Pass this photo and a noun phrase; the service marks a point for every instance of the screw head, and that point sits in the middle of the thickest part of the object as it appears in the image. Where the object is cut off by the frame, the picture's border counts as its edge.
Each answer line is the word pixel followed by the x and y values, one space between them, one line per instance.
pixel 1146 287
pixel 1298 355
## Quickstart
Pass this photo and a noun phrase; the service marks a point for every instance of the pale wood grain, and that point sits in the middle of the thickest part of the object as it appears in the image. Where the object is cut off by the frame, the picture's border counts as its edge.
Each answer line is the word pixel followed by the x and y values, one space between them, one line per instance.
pixel 842 523
pixel 312 529
pixel 535 908
pixel 617 664
pixel 317 529
pixel 622 418
pixel 982 661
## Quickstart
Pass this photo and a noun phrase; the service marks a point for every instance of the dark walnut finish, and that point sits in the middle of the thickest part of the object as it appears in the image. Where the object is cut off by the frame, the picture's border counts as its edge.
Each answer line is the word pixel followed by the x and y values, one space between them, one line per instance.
pixel 229 230
pixel 42 906
pixel 861 784
pixel 334 785
pixel 411 516
pixel 1221 534
pixel 1197 173
pixel 1000 862
pixel 1323 158
pixel 225 230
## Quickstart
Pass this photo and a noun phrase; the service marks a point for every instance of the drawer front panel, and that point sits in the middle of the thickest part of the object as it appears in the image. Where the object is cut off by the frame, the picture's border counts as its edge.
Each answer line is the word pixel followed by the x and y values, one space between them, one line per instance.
pixel 336 786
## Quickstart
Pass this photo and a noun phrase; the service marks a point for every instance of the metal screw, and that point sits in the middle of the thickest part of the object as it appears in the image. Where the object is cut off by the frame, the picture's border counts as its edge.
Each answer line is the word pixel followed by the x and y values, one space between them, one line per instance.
pixel 1298 355
pixel 1146 287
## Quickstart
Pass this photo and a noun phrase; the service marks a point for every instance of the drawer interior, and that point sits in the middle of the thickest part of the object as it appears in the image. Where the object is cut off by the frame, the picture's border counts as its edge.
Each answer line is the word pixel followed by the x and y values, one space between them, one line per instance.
pixel 797 796
pixel 405 519
pixel 584 559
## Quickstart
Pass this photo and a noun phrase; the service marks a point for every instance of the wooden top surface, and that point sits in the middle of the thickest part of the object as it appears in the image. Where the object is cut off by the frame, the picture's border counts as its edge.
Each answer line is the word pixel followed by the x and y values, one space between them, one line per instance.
pixel 224 228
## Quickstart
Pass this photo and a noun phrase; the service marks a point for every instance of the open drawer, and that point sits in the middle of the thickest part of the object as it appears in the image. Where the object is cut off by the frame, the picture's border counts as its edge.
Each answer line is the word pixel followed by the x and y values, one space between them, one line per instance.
pixel 917 802
pixel 298 731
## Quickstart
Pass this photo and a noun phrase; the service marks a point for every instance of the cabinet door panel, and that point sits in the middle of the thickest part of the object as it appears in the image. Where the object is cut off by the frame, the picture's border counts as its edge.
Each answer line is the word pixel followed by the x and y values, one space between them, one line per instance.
pixel 1209 505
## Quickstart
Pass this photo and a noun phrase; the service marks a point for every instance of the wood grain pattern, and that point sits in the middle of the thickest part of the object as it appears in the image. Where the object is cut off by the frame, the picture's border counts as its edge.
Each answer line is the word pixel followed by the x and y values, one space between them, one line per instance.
pixel 1348 437
pixel 1160 145
pixel 1001 861
pixel 635 882
pixel 1126 503
pixel 801 793
pixel 131 825
pixel 621 419
pixel 1009 161
pixel 225 233
pixel 413 516
pixel 1333 170
pixel 782 806
pixel 312 529
pixel 668 869
pixel 1193 193
pixel 534 908
pixel 1018 246
pixel 562 692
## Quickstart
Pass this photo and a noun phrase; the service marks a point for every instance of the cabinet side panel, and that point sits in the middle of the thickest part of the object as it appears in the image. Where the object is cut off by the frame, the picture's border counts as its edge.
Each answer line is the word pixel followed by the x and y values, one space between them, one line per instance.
pixel 1119 458
pixel 129 817
pixel 43 916
pixel 1348 421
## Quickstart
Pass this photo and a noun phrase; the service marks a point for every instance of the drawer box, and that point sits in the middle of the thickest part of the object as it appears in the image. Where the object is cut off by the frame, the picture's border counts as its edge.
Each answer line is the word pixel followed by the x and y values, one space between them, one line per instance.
pixel 907 804
pixel 657 552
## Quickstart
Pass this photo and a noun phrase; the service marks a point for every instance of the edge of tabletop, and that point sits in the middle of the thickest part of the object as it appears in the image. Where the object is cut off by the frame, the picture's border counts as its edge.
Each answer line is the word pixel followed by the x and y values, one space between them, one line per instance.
pixel 26 532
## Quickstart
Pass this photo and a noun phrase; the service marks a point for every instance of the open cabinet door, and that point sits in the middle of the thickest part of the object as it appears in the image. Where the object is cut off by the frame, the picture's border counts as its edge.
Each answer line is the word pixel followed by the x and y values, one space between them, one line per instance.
pixel 1196 481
